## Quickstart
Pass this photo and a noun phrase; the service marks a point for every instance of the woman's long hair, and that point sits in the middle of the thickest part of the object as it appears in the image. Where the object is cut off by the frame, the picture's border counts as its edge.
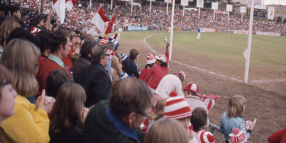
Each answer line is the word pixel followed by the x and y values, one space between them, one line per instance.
pixel 21 58
pixel 68 107
pixel 6 28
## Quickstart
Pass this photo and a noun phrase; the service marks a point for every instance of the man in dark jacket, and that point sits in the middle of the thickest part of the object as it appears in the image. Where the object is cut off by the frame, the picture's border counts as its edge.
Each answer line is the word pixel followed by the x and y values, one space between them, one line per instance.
pixel 84 59
pixel 118 119
pixel 94 78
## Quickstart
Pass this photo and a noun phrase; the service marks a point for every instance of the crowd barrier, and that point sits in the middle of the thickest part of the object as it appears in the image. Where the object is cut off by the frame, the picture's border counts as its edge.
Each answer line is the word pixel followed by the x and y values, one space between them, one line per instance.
pixel 268 33
pixel 240 32
pixel 137 28
pixel 209 30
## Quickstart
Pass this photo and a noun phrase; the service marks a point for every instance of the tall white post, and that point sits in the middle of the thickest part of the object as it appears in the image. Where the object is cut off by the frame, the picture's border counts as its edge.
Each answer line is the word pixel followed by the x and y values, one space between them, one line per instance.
pixel 131 5
pixel 150 6
pixel 90 3
pixel 228 16
pixel 214 14
pixel 111 4
pixel 247 54
pixel 172 29
pixel 183 10
pixel 241 17
pixel 167 8
pixel 199 13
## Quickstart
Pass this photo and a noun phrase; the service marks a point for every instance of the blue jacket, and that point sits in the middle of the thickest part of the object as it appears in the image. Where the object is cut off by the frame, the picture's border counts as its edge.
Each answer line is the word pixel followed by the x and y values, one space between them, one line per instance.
pixel 227 124
pixel 132 69
pixel 199 30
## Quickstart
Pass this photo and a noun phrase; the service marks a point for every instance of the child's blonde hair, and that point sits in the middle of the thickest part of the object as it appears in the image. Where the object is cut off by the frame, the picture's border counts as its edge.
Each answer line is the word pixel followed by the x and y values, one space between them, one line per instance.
pixel 235 106
pixel 159 110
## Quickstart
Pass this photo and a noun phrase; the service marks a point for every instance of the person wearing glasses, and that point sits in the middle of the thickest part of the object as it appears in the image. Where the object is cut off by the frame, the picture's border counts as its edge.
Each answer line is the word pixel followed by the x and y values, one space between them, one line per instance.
pixel 118 119
pixel 94 78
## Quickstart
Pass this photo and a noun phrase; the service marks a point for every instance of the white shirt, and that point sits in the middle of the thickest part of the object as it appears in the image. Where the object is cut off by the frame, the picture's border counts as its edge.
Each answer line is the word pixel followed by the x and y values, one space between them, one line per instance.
pixel 168 84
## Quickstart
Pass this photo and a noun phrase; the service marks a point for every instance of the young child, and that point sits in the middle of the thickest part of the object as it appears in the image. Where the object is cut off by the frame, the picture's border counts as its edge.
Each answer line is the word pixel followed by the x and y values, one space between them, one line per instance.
pixel 158 112
pixel 232 117
pixel 150 62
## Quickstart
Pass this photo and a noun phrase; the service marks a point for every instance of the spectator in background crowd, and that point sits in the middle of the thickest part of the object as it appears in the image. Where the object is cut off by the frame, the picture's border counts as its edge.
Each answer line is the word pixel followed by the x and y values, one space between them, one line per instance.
pixel 59 47
pixel 7 94
pixel 166 131
pixel 177 108
pixel 67 121
pixel 232 117
pixel 200 123
pixel 158 71
pixel 6 28
pixel 84 59
pixel 20 57
pixel 118 119
pixel 150 62
pixel 191 93
pixel 131 68
pixel 169 83
pixel 67 60
pixel 94 78
pixel 54 81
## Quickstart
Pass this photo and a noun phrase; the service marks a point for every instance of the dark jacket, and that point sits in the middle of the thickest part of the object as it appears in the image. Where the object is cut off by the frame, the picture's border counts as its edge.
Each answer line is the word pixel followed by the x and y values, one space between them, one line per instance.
pixel 68 135
pixel 99 129
pixel 80 62
pixel 96 83
pixel 132 69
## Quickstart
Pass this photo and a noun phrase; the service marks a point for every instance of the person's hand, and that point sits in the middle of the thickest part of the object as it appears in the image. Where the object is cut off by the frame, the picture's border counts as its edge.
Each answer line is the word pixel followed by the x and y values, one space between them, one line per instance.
pixel 251 126
pixel 119 66
pixel 41 102
pixel 84 114
pixel 167 44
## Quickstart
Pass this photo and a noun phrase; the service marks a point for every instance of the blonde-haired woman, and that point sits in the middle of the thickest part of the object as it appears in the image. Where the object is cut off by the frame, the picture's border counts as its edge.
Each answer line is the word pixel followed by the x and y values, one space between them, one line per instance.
pixel 67 121
pixel 233 117
pixel 7 26
pixel 30 123
pixel 166 131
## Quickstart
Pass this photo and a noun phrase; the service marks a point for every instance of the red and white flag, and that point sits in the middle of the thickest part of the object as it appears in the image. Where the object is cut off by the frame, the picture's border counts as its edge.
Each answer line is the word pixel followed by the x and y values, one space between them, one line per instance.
pixel 60 7
pixel 110 24
pixel 99 19
pixel 209 100
pixel 70 4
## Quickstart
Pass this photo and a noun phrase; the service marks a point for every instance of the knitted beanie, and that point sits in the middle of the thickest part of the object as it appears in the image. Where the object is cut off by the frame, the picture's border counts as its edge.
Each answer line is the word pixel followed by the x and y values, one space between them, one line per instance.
pixel 237 136
pixel 192 87
pixel 183 74
pixel 150 59
pixel 177 107
pixel 115 42
pixel 124 58
pixel 162 58
pixel 205 136
pixel 34 30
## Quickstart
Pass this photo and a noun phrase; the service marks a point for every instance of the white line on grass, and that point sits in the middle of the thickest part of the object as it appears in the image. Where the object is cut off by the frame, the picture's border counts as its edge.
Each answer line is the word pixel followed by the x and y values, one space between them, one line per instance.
pixel 189 65
pixel 268 80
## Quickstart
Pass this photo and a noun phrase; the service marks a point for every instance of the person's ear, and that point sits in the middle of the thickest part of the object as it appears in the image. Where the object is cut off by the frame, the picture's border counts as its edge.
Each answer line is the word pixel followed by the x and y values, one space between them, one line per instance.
pixel 131 118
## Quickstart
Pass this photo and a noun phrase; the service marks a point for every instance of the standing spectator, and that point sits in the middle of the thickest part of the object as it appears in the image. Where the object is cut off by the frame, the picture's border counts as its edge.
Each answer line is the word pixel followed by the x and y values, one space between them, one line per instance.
pixel 67 121
pixel 158 71
pixel 7 94
pixel 116 64
pixel 200 121
pixel 20 57
pixel 191 93
pixel 118 119
pixel 278 137
pixel 94 78
pixel 169 83
pixel 150 62
pixel 59 47
pixel 232 117
pixel 166 131
pixel 67 60
pixel 84 59
pixel 132 69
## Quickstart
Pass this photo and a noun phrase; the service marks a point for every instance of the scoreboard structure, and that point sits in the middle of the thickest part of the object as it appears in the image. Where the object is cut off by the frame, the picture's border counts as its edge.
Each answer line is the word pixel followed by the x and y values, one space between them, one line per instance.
pixel 259 11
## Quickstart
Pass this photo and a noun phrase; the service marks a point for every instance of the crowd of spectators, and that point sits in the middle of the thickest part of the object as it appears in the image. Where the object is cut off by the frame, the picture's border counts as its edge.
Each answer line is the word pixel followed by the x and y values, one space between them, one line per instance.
pixel 62 84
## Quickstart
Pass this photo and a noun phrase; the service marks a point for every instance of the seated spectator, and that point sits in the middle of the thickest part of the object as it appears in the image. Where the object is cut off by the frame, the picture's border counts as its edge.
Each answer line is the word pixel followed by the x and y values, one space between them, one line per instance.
pixel 33 125
pixel 59 47
pixel 150 62
pixel 200 121
pixel 166 131
pixel 232 117
pixel 278 137
pixel 94 78
pixel 191 93
pixel 54 81
pixel 125 60
pixel 158 71
pixel 158 112
pixel 177 108
pixel 118 119
pixel 67 121
pixel 131 67
pixel 67 60
pixel 169 83
pixel 7 26
pixel 84 59
pixel 7 94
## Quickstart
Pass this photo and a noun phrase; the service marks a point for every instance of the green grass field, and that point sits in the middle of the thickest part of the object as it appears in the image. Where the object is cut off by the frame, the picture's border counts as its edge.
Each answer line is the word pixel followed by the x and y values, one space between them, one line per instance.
pixel 226 47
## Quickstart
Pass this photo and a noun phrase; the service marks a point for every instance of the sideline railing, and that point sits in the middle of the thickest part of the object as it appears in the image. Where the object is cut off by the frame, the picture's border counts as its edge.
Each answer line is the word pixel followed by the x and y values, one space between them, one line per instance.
pixel 213 128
